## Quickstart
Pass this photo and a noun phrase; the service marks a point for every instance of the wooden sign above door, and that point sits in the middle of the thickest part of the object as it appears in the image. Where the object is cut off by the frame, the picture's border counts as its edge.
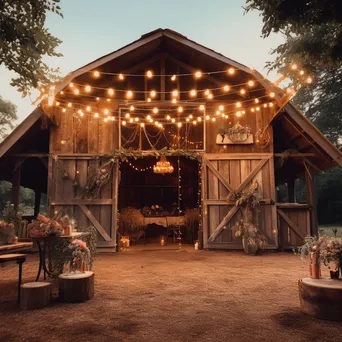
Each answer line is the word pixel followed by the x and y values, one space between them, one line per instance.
pixel 237 134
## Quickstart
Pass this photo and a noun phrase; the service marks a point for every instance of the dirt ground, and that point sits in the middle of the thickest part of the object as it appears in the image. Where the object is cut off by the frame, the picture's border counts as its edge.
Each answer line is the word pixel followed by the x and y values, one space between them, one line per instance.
pixel 170 295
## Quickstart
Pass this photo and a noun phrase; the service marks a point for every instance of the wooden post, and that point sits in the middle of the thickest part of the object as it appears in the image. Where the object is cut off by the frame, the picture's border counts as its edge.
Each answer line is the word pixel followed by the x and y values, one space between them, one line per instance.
pixel 16 177
pixel 311 197
pixel 291 189
pixel 37 197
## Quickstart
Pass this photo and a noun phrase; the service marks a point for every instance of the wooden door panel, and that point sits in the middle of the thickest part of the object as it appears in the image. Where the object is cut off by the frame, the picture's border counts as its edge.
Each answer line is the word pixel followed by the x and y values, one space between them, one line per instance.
pixel 226 173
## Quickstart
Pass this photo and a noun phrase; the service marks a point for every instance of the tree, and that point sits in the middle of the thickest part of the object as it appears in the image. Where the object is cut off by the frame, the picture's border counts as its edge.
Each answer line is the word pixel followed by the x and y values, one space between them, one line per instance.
pixel 313 40
pixel 8 115
pixel 24 41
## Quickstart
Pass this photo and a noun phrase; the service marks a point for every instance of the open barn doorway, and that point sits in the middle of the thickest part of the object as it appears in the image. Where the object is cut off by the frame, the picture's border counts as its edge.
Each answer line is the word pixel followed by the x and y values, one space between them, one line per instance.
pixel 156 209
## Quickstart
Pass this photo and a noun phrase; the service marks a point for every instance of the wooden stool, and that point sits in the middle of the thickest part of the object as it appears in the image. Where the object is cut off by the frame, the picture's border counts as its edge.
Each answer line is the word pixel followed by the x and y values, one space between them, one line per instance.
pixel 321 298
pixel 35 295
pixel 76 287
pixel 20 259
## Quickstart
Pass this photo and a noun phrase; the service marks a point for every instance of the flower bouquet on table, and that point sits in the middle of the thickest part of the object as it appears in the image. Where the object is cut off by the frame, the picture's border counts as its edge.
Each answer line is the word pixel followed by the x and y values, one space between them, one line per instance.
pixel 331 256
pixel 80 256
pixel 44 226
pixel 7 233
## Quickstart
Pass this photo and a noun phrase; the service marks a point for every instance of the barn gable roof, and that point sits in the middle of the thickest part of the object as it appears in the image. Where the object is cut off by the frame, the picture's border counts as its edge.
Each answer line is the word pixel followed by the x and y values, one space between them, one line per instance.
pixel 332 154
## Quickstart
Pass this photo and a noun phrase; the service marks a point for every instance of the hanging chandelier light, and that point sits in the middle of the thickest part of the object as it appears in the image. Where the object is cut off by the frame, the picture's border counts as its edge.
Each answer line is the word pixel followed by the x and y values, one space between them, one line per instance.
pixel 163 166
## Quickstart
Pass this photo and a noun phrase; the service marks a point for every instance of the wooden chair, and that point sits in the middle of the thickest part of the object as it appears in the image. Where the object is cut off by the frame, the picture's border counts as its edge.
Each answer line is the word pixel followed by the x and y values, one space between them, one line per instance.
pixel 20 259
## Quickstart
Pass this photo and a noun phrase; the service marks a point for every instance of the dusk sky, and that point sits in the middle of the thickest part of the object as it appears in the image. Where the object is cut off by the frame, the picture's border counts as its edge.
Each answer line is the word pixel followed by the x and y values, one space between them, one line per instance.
pixel 91 29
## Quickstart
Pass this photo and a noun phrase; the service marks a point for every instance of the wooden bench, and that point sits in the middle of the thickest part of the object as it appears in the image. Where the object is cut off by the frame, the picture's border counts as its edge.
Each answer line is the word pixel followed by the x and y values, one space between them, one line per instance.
pixel 321 298
pixel 20 259
pixel 16 247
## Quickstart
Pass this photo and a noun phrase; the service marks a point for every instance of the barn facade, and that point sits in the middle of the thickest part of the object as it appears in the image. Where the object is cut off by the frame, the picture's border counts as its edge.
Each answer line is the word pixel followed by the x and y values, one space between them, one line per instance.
pixel 165 95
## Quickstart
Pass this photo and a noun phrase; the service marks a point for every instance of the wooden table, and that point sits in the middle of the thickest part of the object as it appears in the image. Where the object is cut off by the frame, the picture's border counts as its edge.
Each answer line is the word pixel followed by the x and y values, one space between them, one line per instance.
pixel 171 223
pixel 19 259
pixel 15 247
pixel 321 298
pixel 41 243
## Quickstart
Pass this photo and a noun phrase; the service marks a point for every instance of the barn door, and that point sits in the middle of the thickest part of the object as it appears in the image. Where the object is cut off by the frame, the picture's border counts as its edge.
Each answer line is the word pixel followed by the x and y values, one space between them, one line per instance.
pixel 224 173
pixel 69 176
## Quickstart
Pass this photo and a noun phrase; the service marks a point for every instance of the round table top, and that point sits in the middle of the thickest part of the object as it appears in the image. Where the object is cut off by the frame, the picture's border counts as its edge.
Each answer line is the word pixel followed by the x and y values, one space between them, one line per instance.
pixel 36 284
pixel 324 283
pixel 76 275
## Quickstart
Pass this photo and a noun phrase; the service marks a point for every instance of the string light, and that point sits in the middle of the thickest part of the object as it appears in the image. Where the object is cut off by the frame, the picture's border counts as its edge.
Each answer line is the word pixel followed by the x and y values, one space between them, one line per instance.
pixel 231 71
pixel 193 92
pixel 76 92
pixel 242 91
pixel 121 77
pixel 294 66
pixel 201 107
pixel 149 74
pixel 175 93
pixel 153 93
pixel 226 88
pixel 198 74
pixel 256 100
pixel 88 109
pixel 155 110
pixel 96 115
pixel 127 116
pixel 238 105
pixel 71 85
pixel 174 101
pixel 87 88
pixel 123 123
pixel 106 111
pixel 173 78
pixel 129 94
pixel 96 74
pixel 309 80
pixel 180 109
pixel 210 96
pixel 110 92
pixel 272 94
pixel 251 83
pixel 221 107
pixel 131 108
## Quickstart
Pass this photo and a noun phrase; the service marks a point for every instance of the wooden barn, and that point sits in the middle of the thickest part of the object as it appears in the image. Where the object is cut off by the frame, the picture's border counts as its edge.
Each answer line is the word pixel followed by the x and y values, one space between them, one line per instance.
pixel 94 139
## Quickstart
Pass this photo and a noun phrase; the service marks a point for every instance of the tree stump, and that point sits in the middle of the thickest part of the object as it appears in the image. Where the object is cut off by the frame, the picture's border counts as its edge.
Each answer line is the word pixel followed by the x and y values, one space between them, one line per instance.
pixel 76 287
pixel 35 295
pixel 321 298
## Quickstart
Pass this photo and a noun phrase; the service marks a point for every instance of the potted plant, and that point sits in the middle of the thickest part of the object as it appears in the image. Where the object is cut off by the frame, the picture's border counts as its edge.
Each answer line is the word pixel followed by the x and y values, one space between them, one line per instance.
pixel 247 228
pixel 331 256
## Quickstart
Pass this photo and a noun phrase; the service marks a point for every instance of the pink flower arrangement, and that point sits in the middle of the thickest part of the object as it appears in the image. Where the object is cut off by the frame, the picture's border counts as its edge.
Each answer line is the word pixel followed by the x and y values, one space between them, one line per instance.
pixel 80 243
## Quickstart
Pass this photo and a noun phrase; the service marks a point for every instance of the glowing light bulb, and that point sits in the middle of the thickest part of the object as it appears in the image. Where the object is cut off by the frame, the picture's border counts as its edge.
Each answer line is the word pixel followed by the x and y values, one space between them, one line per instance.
pixel 69 104
pixel 242 91
pixel 272 94
pixel 153 93
pixel 194 122
pixel 123 123
pixel 97 99
pixel 63 110
pixel 187 119
pixel 173 78
pixel 155 110
pixel 251 83
pixel 226 88
pixel 193 92
pixel 71 85
pixel 121 77
pixel 179 124
pixel 81 114
pixel 252 110
pixel 221 107
pixel 309 80
pixel 131 120
pixel 270 104
pixel 199 119
pixel 294 66
pixel 256 100
pixel 62 92
pixel 257 109
pixel 201 107
pixel 129 94
pixel 210 96
pixel 57 103
pixel 213 119
pixel 265 105
pixel 226 116
pixel 112 118
pixel 96 73
pixel 136 119
pixel 198 74
pixel 131 108
pixel 105 119
pixel 207 117
pixel 168 117
pixel 87 88
pixel 173 120
pixel 238 105
pixel 142 124
pixel 110 92
pixel 238 114
pixel 148 117
pixel 106 111
pixel 76 92
pixel 156 123
pixel 218 112
pixel 175 93
pixel 174 101
pixel 88 109
pixel 96 115
pixel 108 100
pixel 127 116
pixel 190 116
pixel 180 109
pixel 148 99
pixel 149 74
pixel 231 71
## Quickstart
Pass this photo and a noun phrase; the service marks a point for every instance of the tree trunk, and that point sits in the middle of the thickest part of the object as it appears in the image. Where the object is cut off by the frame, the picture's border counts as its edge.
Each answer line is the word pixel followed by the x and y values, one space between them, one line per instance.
pixel 35 295
pixel 76 287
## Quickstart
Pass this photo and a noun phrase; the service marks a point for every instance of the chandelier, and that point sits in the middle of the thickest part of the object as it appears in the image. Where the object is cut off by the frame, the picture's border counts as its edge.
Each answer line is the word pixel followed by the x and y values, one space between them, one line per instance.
pixel 163 166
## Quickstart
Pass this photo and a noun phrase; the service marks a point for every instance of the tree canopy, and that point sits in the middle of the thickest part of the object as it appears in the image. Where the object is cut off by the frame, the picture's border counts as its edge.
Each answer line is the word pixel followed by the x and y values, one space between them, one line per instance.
pixel 24 41
pixel 8 115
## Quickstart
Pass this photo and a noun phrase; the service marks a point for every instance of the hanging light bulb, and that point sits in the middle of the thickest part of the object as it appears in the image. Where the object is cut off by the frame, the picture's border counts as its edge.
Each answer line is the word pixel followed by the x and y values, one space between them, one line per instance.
pixel 106 111
pixel 69 104
pixel 142 125
pixel 127 116
pixel 155 110
pixel 175 93
pixel 148 99
pixel 97 99
pixel 131 120
pixel 96 73
pixel 221 107
pixel 149 74
pixel 180 109
pixel 110 92
pixel 174 101
pixel 148 117
pixel 309 80
pixel 256 100
pixel 238 114
pixel 63 110
pixel 242 91
pixel 207 117
pixel 112 118
pixel 270 104
pixel 131 108
pixel 272 94
pixel 193 92
pixel 129 94
pixel 187 119
pixel 301 73
pixel 294 66
pixel 136 119
pixel 210 96
pixel 121 77
pixel 173 78
pixel 201 107
pixel 57 104
pixel 96 115
pixel 173 120
pixel 213 119
pixel 231 71
pixel 226 88
pixel 238 105
pixel 123 123
pixel 190 116
pixel 88 109
pixel 179 124
pixel 198 74
pixel 194 122
pixel 76 92
pixel 251 83
pixel 71 85
pixel 153 93
pixel 87 88
pixel 168 117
